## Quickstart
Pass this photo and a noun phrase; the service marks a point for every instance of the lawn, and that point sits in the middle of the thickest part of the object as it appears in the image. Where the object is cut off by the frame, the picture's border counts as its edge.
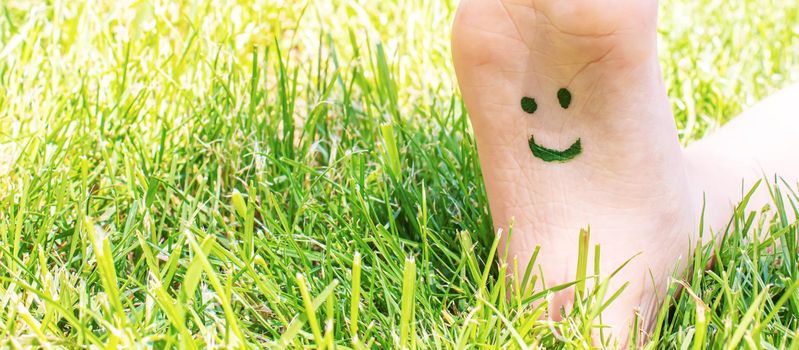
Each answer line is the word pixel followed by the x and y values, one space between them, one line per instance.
pixel 302 174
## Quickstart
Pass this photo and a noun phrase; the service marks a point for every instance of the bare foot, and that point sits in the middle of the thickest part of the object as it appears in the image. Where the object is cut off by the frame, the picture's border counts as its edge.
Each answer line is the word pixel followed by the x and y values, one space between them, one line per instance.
pixel 574 129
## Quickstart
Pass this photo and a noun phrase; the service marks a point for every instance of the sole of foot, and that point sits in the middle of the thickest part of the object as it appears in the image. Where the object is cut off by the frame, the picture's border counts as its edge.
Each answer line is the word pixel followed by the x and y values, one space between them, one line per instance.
pixel 574 128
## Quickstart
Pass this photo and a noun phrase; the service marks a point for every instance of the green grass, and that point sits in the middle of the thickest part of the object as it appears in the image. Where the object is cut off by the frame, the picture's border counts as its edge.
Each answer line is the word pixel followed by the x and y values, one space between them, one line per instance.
pixel 289 174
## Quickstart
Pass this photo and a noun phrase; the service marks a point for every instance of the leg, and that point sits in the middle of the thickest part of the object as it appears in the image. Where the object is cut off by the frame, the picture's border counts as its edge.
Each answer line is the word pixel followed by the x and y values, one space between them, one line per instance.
pixel 764 141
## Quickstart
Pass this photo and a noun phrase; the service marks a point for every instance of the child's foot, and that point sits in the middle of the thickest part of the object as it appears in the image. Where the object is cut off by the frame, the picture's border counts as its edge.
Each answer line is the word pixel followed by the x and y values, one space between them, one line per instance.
pixel 574 129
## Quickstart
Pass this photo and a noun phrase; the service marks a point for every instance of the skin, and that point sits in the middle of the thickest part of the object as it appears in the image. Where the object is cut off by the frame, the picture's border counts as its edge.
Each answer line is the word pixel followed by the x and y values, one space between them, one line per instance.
pixel 641 193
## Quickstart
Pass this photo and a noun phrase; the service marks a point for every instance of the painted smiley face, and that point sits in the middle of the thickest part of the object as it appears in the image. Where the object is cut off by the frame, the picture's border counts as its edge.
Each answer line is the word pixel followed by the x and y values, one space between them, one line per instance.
pixel 529 105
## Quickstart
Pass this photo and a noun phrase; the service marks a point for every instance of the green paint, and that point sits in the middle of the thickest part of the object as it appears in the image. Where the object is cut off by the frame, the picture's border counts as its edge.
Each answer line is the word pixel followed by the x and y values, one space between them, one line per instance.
pixel 529 105
pixel 551 155
pixel 565 98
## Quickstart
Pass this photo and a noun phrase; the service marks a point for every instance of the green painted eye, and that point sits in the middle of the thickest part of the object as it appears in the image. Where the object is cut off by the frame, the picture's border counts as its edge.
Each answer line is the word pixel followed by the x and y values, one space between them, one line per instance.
pixel 529 105
pixel 565 98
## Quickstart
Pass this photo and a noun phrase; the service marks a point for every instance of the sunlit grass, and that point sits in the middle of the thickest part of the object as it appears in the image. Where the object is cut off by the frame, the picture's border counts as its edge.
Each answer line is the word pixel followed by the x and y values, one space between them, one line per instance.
pixel 281 174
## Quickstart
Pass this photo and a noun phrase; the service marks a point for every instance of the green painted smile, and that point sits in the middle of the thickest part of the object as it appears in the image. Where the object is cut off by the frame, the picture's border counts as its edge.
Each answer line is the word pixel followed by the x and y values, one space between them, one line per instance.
pixel 529 105
pixel 551 155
